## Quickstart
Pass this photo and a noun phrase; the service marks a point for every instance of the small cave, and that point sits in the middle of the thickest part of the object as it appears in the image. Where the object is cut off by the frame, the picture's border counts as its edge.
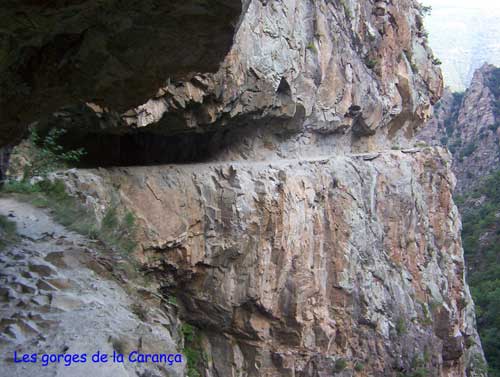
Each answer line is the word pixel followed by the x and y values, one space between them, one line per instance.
pixel 143 148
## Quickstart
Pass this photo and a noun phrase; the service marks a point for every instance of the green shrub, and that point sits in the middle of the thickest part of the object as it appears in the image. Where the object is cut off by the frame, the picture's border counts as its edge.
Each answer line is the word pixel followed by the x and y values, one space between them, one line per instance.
pixel 47 154
pixel 421 372
pixel 480 222
pixel 115 231
pixel 436 61
pixel 192 349
pixel 340 365
pixel 469 149
pixel 312 47
pixel 347 10
pixel 401 326
pixel 359 366
pixel 371 63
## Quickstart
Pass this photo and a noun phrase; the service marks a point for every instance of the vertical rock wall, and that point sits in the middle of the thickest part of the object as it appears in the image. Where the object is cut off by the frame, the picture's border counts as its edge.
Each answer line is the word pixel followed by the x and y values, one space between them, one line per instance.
pixel 307 267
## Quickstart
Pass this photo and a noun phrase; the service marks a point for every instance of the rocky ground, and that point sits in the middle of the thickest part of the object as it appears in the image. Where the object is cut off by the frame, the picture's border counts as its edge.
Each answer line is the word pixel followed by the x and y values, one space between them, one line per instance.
pixel 61 294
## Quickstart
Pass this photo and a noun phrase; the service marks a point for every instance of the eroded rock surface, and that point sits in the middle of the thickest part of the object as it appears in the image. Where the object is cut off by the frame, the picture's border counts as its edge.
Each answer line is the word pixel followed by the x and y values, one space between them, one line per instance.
pixel 326 66
pixel 115 53
pixel 58 296
pixel 343 69
pixel 311 267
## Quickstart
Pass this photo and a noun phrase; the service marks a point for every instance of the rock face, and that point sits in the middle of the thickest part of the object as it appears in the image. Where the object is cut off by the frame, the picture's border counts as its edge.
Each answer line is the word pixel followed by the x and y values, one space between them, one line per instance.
pixel 469 125
pixel 312 267
pixel 290 252
pixel 348 69
pixel 115 53
pixel 332 67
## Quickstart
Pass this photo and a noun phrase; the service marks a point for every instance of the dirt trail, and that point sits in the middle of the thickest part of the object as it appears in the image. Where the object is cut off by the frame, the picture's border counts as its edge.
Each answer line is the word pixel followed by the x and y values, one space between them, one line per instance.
pixel 58 296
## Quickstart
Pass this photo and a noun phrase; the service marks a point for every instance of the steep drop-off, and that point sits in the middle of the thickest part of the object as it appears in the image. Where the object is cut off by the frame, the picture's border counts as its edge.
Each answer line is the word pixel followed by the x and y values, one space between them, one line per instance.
pixel 469 124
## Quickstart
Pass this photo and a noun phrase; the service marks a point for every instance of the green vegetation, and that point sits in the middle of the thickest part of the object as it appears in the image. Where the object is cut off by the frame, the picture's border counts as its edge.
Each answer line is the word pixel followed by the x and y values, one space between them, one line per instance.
pixel 359 366
pixel 7 231
pixel 493 83
pixel 420 372
pixel 401 326
pixel 436 61
pixel 481 239
pixel 192 350
pixel 468 150
pixel 311 47
pixel 340 365
pixel 450 122
pixel 45 155
pixel 371 63
pixel 347 10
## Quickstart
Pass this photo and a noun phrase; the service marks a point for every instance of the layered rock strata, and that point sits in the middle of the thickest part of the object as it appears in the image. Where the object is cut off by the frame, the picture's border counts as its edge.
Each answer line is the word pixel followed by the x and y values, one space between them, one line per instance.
pixel 288 263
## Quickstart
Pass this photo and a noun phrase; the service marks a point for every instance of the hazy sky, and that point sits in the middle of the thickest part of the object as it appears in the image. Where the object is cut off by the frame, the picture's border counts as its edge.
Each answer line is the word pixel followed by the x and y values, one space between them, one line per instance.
pixel 476 4
pixel 464 34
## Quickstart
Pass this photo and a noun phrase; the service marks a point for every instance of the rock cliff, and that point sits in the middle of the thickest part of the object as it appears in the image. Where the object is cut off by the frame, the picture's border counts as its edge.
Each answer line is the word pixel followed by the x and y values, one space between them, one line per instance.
pixel 469 125
pixel 345 68
pixel 115 53
pixel 289 235
pixel 341 265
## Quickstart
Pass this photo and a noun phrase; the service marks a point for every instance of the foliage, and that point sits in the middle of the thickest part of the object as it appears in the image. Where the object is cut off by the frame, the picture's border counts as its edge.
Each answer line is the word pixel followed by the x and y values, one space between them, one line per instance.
pixel 468 150
pixel 340 365
pixel 401 326
pixel 359 366
pixel 192 349
pixel 436 61
pixel 371 63
pixel 493 83
pixel 420 372
pixel 481 239
pixel 46 154
pixel 311 47
pixel 347 10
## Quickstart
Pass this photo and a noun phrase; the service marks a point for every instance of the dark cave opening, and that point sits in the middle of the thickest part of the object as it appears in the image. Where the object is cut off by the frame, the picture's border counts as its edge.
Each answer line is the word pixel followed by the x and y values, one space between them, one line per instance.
pixel 143 148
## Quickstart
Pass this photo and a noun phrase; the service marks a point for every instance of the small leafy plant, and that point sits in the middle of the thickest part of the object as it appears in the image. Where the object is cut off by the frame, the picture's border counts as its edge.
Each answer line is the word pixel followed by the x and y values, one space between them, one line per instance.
pixel 47 154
